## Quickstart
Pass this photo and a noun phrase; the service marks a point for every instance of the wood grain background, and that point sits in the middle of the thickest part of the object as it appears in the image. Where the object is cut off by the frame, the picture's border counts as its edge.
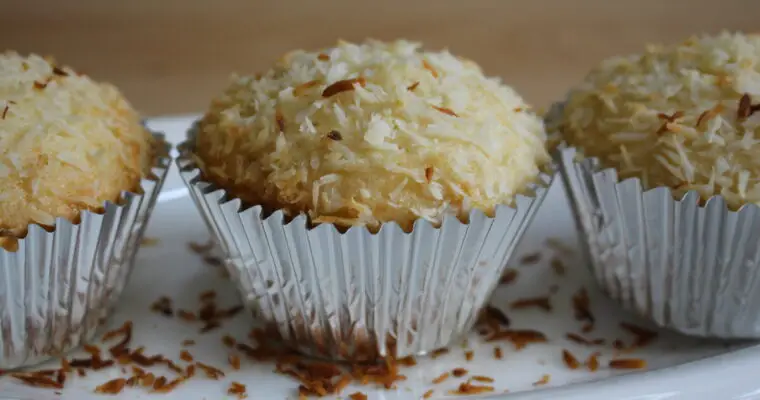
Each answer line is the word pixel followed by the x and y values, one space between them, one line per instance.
pixel 170 56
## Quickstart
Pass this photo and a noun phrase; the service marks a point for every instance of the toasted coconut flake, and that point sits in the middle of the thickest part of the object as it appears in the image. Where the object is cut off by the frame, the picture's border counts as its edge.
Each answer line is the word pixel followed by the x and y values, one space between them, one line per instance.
pixel 430 68
pixel 543 381
pixel 185 355
pixel 342 86
pixel 530 259
pixel 37 380
pixel 211 372
pixel 509 276
pixel 497 353
pixel 581 304
pixel 439 352
pixel 707 115
pixel 743 111
pixel 60 376
pixel 65 366
pixel 148 380
pixel 234 361
pixel 459 372
pixel 446 111
pixel 442 377
pixel 519 338
pixel 237 389
pixel 95 363
pixel 334 135
pixel 481 378
pixel 497 315
pixel 40 85
pixel 592 363
pixel 570 360
pixel 279 120
pixel 469 388
pixel 543 303
pixel 114 386
pixel 357 396
pixel 228 341
pixel 60 71
pixel 628 363
pixel 304 87
pixel 428 394
pixel 159 383
pixel 429 174
pixel 408 361
pixel 574 337
pixel 125 330
pixel 168 387
pixel 120 348
pixel 91 349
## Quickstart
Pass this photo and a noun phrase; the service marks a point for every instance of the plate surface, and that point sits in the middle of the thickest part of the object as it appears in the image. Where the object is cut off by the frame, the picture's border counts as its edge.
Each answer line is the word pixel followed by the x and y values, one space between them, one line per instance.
pixel 678 367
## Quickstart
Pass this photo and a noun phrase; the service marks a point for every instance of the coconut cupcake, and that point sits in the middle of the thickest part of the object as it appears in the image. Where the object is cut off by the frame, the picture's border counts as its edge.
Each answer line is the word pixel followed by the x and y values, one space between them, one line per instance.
pixel 78 176
pixel 664 174
pixel 367 191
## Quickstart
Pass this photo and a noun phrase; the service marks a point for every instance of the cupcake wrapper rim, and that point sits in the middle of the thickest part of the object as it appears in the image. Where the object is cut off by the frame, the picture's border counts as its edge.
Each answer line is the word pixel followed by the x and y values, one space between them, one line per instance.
pixel 59 286
pixel 689 267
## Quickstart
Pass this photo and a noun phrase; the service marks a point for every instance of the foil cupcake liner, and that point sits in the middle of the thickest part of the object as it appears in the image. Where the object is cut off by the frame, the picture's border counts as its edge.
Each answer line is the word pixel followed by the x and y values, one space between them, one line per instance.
pixel 688 267
pixel 357 295
pixel 60 285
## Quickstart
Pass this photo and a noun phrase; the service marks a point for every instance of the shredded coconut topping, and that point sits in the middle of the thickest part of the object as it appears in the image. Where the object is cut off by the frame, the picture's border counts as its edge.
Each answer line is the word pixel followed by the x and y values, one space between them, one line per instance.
pixel 361 134
pixel 683 116
pixel 67 144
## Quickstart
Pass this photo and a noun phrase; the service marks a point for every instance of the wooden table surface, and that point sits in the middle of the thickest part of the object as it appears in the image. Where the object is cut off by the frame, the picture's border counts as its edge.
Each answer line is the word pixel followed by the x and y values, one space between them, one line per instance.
pixel 170 56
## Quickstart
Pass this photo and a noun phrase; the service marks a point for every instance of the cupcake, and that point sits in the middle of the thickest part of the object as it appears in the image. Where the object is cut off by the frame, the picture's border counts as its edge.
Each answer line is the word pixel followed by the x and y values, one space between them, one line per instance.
pixel 79 175
pixel 367 196
pixel 662 165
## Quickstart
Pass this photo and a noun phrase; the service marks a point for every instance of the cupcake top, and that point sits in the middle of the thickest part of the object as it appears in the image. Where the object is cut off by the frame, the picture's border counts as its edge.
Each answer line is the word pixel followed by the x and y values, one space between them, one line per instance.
pixel 685 116
pixel 67 144
pixel 361 134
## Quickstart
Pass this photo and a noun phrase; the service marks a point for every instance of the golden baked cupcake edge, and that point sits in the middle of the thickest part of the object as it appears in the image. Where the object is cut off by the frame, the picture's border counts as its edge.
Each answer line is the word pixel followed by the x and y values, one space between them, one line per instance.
pixel 680 116
pixel 361 134
pixel 660 165
pixel 68 144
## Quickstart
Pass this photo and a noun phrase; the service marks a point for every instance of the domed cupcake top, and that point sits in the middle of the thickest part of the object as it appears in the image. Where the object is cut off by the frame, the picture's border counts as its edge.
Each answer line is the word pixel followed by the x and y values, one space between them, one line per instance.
pixel 361 134
pixel 684 116
pixel 66 144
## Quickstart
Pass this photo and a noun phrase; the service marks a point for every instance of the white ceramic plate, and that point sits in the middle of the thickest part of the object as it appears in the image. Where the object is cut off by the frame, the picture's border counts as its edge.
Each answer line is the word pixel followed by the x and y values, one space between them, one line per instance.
pixel 679 367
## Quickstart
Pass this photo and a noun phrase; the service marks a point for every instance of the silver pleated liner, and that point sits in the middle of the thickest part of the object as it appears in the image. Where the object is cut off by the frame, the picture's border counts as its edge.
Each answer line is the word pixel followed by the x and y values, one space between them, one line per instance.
pixel 688 267
pixel 59 286
pixel 357 295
